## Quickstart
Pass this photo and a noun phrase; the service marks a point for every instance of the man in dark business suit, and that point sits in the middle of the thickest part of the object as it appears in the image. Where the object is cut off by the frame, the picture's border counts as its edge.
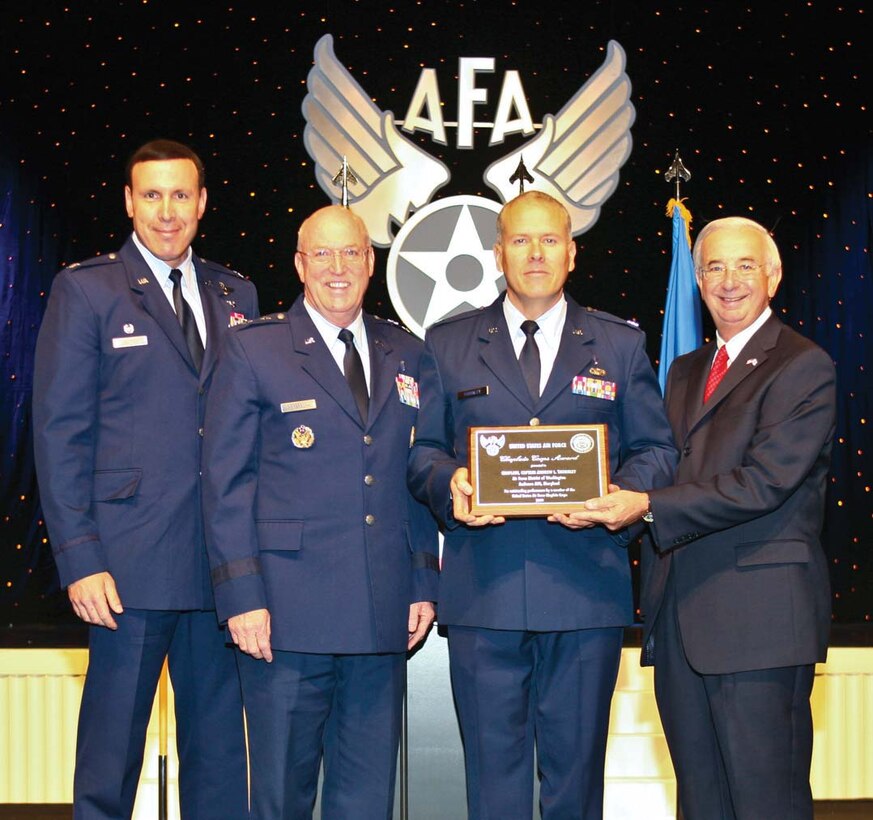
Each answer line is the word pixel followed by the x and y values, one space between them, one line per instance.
pixel 324 566
pixel 534 607
pixel 735 593
pixel 124 360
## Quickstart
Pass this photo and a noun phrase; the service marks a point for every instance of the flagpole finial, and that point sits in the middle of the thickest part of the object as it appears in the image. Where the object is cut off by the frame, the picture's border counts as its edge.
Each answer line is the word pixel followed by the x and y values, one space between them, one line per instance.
pixel 677 171
pixel 345 177
pixel 521 175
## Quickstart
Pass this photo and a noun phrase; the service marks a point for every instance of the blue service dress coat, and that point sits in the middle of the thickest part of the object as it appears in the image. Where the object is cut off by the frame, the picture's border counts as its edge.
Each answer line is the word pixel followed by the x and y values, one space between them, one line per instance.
pixel 118 414
pixel 740 530
pixel 307 509
pixel 118 409
pixel 528 574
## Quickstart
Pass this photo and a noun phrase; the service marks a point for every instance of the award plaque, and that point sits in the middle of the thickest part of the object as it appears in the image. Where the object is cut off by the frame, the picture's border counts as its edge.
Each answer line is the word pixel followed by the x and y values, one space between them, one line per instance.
pixel 537 471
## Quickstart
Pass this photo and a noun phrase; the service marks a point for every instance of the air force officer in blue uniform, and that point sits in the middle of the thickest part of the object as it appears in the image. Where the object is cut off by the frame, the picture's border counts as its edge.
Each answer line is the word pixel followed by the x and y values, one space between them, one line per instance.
pixel 534 607
pixel 124 360
pixel 324 566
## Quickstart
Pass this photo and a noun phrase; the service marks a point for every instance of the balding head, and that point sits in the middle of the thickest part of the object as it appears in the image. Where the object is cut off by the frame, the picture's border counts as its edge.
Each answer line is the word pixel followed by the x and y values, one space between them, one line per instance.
pixel 531 198
pixel 333 218
pixel 334 261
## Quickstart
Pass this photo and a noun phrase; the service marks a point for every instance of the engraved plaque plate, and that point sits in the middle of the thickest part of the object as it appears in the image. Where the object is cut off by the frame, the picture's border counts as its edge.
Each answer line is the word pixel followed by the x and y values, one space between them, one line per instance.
pixel 537 471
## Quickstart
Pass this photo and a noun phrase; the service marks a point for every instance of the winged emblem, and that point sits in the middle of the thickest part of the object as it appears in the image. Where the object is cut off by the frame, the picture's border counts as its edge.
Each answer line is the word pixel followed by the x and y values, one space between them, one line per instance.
pixel 577 155
pixel 492 444
pixel 393 174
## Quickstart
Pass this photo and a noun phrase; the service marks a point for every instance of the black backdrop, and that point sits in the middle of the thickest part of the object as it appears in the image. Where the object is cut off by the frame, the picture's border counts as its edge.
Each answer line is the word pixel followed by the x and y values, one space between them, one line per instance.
pixel 768 105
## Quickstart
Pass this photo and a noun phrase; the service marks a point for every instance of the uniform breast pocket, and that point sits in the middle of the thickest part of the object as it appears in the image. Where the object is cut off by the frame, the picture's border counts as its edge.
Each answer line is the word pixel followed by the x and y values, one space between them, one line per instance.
pixel 116 485
pixel 587 408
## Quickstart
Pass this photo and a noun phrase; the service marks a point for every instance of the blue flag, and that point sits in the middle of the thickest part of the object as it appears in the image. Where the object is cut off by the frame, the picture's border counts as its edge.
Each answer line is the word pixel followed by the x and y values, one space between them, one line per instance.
pixel 683 330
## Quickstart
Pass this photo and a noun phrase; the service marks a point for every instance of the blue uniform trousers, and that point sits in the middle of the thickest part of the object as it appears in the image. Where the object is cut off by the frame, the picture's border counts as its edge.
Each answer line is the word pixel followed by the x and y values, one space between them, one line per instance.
pixel 515 690
pixel 346 709
pixel 123 670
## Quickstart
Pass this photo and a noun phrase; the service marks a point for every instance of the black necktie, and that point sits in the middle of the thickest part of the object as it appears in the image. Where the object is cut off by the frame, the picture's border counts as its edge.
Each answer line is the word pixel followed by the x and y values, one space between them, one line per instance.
pixel 354 370
pixel 530 359
pixel 186 319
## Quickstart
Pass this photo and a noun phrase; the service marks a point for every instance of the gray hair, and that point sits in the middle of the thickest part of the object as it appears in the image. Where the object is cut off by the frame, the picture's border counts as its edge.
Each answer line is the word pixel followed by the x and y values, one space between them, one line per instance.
pixel 773 258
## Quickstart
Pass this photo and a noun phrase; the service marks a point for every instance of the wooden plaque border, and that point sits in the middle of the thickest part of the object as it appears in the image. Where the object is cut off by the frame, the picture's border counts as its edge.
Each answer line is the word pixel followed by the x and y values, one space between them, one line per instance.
pixel 480 507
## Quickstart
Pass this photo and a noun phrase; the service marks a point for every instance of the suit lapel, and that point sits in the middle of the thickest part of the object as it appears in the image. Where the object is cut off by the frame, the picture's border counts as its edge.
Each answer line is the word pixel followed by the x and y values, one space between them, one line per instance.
pixel 694 385
pixel 383 369
pixel 497 353
pixel 752 356
pixel 317 360
pixel 574 354
pixel 154 302
pixel 216 322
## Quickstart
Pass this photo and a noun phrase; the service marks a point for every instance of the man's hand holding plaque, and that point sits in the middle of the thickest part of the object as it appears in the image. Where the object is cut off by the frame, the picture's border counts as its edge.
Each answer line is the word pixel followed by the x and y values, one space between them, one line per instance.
pixel 461 490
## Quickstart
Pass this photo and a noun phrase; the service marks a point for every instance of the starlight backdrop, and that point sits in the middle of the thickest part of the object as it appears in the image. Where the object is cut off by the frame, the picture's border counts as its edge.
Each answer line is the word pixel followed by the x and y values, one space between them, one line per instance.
pixel 768 104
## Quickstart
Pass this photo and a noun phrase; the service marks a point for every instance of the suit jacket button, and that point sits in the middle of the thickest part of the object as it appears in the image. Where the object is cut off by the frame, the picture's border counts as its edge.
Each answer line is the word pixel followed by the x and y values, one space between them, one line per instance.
pixel 368 440
pixel 369 520
pixel 534 422
pixel 686 451
pixel 369 480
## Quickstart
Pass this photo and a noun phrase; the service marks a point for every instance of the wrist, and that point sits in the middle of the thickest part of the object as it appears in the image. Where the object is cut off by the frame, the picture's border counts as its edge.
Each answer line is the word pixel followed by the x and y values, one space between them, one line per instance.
pixel 648 516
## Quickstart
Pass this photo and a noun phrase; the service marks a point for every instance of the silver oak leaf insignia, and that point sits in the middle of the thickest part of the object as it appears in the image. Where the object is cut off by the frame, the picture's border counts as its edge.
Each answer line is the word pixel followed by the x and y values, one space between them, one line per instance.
pixel 577 155
pixel 393 173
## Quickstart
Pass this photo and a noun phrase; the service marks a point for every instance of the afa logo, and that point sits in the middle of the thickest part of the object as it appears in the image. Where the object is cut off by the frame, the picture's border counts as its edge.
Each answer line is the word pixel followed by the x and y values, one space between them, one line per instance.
pixel 440 261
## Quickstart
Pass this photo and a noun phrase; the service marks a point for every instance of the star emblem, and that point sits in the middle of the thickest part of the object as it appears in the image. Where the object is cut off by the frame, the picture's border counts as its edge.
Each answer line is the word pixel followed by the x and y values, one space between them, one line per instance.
pixel 442 262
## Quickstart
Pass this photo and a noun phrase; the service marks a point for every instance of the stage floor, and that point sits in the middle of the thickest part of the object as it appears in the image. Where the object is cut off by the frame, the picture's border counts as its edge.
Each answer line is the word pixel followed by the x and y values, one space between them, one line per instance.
pixel 824 810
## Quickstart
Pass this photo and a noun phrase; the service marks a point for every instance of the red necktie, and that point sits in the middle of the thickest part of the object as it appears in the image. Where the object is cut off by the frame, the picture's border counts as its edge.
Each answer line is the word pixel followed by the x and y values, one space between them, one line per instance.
pixel 716 373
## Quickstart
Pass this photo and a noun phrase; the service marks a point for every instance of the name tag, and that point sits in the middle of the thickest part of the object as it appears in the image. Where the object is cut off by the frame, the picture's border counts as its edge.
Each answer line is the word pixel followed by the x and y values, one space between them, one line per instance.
pixel 596 388
pixel 129 341
pixel 297 406
pixel 473 392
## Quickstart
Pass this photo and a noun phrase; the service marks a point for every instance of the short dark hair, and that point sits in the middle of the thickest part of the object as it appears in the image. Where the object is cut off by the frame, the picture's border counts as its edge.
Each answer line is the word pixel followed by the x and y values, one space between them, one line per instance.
pixel 164 149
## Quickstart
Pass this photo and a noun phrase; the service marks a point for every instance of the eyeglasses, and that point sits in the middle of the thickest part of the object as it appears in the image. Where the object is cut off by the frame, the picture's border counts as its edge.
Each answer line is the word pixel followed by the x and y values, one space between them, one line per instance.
pixel 744 271
pixel 351 255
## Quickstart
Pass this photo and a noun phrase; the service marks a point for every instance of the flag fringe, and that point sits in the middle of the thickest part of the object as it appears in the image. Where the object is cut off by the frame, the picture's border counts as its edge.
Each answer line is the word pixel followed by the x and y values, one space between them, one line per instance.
pixel 686 215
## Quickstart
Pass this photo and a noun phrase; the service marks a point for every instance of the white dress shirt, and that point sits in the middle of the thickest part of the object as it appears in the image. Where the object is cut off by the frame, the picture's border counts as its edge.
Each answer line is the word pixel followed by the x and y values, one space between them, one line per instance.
pixel 330 333
pixel 190 290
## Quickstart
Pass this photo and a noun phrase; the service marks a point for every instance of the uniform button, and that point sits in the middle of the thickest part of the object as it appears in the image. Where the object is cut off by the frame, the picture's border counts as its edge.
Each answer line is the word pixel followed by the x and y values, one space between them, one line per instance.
pixel 369 520
pixel 201 391
pixel 200 431
pixel 368 440
pixel 686 451
pixel 369 480
pixel 534 422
